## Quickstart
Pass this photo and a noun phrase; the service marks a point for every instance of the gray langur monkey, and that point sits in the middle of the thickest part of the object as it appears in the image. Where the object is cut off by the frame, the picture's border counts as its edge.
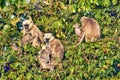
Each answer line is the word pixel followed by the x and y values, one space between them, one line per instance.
pixel 44 58
pixel 91 29
pixel 56 48
pixel 32 32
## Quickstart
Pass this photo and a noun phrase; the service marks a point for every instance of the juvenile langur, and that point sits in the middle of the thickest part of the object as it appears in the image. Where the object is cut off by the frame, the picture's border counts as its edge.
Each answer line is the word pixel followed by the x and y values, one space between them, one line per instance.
pixel 44 58
pixel 37 35
pixel 27 38
pixel 79 32
pixel 91 29
pixel 56 48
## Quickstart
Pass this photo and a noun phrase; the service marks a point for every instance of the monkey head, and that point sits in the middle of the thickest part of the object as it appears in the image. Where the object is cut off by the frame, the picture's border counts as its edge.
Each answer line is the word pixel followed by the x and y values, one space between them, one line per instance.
pixel 27 24
pixel 48 37
pixel 76 25
pixel 78 29
pixel 83 19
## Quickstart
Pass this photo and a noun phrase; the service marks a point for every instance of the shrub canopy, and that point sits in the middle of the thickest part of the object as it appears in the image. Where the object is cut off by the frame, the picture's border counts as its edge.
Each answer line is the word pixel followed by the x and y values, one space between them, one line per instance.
pixel 88 61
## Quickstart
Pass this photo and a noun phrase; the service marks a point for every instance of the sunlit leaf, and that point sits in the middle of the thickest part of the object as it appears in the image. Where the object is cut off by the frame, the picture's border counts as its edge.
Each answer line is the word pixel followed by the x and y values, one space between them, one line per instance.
pixel 98 60
pixel 14 21
pixel 114 2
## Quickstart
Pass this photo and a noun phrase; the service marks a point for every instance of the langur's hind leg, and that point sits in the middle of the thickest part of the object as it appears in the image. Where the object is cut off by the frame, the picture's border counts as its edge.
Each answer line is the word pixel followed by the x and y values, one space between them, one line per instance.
pixel 35 42
pixel 81 37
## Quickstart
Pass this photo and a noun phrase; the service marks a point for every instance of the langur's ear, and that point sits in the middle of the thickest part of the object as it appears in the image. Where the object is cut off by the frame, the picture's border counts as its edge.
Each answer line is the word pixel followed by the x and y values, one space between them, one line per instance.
pixel 31 21
pixel 43 34
pixel 29 17
pixel 81 29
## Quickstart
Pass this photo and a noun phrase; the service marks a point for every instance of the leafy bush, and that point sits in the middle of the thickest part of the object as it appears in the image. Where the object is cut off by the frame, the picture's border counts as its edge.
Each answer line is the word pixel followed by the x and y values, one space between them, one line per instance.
pixel 88 61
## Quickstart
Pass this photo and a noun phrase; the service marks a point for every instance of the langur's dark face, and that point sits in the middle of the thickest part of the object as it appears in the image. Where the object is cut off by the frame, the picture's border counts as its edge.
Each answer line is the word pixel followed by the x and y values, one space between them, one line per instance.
pixel 27 24
pixel 48 37
pixel 47 40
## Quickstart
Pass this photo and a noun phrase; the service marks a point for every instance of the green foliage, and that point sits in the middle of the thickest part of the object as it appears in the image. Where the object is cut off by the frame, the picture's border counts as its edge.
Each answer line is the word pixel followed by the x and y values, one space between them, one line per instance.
pixel 88 61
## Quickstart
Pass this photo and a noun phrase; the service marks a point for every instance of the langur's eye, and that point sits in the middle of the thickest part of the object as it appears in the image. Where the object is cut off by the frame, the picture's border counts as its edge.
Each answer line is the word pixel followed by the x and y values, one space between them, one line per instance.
pixel 47 61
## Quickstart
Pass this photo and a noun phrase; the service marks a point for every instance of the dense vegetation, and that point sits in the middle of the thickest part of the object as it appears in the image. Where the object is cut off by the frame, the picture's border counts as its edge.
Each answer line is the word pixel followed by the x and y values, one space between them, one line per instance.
pixel 89 61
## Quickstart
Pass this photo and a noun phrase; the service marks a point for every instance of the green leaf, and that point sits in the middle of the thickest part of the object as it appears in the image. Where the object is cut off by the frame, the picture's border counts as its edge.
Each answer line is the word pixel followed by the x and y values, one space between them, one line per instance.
pixel 2 3
pixel 15 65
pixel 114 2
pixel 29 75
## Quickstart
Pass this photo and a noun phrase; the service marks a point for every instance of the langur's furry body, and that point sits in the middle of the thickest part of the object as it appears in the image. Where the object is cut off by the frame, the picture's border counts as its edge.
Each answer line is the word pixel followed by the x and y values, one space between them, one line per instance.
pixel 56 48
pixel 31 33
pixel 91 29
pixel 44 58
